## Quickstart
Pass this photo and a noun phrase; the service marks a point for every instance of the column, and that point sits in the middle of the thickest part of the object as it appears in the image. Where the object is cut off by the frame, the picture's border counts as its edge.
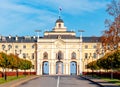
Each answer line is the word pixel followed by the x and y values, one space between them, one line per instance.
pixel 52 68
pixel 38 64
pixel 49 67
pixel 67 69
pixel 81 70
pixel 41 68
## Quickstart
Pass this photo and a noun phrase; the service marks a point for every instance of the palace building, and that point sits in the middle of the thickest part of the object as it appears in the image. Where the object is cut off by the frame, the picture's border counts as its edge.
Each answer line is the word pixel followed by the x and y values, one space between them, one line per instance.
pixel 58 52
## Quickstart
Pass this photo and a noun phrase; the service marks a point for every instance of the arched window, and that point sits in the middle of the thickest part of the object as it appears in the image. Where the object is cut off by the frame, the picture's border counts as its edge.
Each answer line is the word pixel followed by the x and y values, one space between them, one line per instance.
pixel 73 55
pixel 33 46
pixel 9 47
pixel 60 55
pixel 45 55
pixel 3 47
pixel 59 25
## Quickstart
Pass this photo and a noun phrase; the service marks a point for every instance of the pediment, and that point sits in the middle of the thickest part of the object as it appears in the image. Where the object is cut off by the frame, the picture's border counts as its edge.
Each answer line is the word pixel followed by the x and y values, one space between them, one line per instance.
pixel 59 43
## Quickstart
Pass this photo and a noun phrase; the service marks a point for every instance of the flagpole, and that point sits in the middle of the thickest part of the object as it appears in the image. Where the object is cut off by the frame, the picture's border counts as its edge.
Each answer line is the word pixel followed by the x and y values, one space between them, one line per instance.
pixel 60 9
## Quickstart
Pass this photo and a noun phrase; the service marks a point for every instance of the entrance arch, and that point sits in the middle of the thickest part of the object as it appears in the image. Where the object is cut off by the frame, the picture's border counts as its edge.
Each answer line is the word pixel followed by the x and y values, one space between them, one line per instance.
pixel 73 68
pixel 59 67
pixel 45 68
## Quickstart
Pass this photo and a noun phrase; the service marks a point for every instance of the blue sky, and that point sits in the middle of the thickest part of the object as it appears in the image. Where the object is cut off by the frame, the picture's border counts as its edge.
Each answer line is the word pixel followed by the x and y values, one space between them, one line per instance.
pixel 23 17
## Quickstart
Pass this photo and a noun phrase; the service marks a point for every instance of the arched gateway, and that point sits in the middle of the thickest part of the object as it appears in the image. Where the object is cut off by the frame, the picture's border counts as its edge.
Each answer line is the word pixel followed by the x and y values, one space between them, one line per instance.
pixel 73 68
pixel 45 68
pixel 54 52
pixel 59 68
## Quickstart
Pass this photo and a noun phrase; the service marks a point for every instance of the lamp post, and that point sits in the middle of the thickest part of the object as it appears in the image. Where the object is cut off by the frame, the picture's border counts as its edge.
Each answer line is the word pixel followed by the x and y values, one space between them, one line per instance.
pixel 30 61
pixel 81 31
pixel 87 64
pixel 111 67
pixel 38 33
pixel 90 56
pixel 83 65
pixel 17 52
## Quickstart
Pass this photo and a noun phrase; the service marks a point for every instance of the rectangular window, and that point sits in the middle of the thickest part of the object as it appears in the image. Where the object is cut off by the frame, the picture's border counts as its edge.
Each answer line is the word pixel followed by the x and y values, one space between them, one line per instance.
pixel 33 67
pixel 24 46
pixel 86 55
pixel 32 55
pixel 16 46
pixel 33 46
pixel 94 46
pixel 94 55
pixel 86 46
pixel 24 55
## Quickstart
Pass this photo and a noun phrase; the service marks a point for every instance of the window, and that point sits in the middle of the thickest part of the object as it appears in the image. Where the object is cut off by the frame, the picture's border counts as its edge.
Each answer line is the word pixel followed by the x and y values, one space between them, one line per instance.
pixel 24 55
pixel 60 55
pixel 73 56
pixel 33 46
pixel 94 46
pixel 102 54
pixel 33 66
pixel 86 55
pixel 9 47
pixel 59 25
pixel 16 46
pixel 45 55
pixel 24 46
pixel 86 46
pixel 94 55
pixel 3 47
pixel 32 55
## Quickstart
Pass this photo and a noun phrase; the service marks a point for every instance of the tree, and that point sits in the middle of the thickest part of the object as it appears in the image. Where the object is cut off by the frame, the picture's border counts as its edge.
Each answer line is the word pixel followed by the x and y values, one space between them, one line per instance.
pixel 111 37
pixel 25 65
pixel 4 63
pixel 14 60
pixel 93 65
pixel 116 59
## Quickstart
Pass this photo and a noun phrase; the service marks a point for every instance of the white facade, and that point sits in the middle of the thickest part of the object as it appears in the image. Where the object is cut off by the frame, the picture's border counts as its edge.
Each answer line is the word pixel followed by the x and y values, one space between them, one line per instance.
pixel 57 41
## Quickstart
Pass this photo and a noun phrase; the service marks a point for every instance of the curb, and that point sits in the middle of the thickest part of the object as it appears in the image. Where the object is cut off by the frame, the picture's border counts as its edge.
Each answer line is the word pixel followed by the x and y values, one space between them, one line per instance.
pixel 100 82
pixel 17 82
pixel 92 81
pixel 24 81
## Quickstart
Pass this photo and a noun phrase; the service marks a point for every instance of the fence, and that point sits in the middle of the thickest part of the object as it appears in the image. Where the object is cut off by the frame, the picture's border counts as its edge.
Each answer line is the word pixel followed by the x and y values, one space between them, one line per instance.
pixel 19 73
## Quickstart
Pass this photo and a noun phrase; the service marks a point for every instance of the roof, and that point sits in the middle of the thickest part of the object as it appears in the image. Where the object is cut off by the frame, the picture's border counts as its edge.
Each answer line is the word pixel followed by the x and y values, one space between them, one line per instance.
pixel 59 20
pixel 17 39
pixel 91 39
pixel 85 39
pixel 29 39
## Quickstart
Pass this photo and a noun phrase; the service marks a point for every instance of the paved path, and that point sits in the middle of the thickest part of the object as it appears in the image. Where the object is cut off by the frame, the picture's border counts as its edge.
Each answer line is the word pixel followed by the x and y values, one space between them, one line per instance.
pixel 99 81
pixel 59 81
pixel 17 82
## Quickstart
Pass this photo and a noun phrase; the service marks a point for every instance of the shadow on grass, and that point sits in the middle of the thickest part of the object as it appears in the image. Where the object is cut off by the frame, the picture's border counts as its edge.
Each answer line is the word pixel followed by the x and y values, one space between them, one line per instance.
pixel 10 78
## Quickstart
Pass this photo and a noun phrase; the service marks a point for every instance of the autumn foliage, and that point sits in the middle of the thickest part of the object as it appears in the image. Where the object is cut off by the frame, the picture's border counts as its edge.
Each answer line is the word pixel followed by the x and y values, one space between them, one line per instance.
pixel 110 60
pixel 14 62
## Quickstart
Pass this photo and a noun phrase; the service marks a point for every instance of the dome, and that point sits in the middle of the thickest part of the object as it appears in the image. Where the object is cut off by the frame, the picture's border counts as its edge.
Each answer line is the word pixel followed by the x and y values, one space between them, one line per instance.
pixel 59 20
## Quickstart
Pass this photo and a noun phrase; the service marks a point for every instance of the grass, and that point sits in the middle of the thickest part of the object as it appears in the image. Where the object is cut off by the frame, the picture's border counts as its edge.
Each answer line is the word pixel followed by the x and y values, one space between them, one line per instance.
pixel 10 78
pixel 115 81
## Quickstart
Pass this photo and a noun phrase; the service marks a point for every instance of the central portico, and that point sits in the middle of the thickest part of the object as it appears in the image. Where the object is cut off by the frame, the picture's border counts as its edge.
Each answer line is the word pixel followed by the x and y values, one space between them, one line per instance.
pixel 58 52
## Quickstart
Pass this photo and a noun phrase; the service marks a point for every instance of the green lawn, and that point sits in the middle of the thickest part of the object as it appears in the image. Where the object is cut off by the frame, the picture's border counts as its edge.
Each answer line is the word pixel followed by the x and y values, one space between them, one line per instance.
pixel 10 78
pixel 116 81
